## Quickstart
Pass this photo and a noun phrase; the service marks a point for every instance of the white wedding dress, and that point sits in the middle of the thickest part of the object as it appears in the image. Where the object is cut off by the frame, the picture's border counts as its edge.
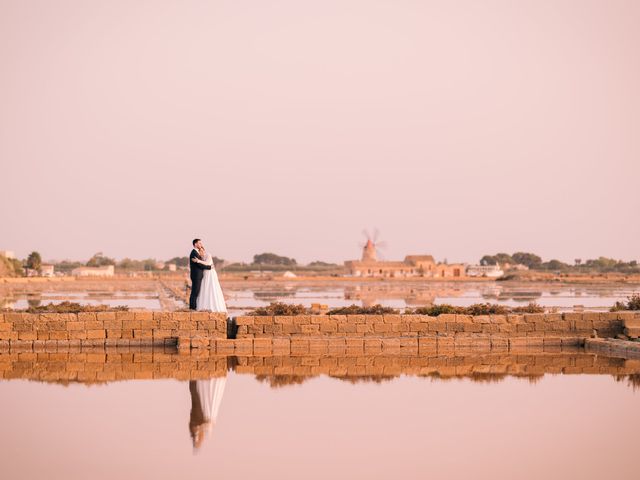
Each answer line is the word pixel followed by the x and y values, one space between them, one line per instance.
pixel 210 298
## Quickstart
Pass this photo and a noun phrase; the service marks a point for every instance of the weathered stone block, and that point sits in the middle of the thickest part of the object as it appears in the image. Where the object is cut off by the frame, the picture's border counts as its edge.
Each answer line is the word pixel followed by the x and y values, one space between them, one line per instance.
pixel 94 334
pixel 310 329
pixel 199 342
pixel 363 328
pixel 381 328
pixel 248 320
pixel 27 335
pixel 130 324
pixel 263 320
pixel 631 321
pixel 87 316
pixel 105 316
pixel 455 326
pixel 181 317
pixel 59 335
pixel 353 319
pixel 415 327
pixel 473 327
pixel 351 327
pixel 498 319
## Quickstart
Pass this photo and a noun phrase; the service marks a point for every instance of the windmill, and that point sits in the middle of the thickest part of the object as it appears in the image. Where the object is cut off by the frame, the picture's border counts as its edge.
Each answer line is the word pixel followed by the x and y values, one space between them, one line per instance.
pixel 371 246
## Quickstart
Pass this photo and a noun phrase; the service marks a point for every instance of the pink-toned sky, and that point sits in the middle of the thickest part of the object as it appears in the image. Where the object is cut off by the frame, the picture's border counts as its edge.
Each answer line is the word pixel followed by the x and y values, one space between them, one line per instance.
pixel 456 128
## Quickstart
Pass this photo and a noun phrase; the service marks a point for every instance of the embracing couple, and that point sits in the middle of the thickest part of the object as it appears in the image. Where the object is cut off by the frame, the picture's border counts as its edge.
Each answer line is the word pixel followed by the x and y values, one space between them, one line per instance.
pixel 206 293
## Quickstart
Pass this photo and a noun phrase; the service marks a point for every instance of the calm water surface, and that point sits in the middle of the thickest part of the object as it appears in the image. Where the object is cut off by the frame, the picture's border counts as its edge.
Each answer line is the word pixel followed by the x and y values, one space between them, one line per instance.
pixel 562 426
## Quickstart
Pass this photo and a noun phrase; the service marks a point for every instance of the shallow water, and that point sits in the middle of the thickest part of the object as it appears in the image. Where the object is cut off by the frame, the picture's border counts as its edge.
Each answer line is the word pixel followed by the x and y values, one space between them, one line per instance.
pixel 241 297
pixel 402 295
pixel 562 426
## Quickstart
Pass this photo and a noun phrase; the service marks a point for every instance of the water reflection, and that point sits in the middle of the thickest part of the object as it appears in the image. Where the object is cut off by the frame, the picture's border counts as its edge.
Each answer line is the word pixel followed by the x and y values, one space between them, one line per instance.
pixel 206 396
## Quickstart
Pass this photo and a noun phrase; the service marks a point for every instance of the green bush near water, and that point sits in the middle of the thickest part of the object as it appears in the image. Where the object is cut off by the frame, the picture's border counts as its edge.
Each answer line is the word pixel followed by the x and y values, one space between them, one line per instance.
pixel 632 303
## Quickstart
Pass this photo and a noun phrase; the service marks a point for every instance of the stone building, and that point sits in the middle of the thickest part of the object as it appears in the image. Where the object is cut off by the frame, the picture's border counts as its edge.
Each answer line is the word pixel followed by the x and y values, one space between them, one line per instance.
pixel 411 266
pixel 47 270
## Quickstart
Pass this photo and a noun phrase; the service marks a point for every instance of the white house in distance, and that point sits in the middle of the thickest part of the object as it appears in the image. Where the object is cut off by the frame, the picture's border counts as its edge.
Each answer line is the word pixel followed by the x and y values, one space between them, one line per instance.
pixel 47 270
pixel 106 271
pixel 491 271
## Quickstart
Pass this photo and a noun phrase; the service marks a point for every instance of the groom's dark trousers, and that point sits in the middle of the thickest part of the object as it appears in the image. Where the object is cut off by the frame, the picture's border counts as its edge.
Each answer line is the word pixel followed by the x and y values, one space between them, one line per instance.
pixel 197 271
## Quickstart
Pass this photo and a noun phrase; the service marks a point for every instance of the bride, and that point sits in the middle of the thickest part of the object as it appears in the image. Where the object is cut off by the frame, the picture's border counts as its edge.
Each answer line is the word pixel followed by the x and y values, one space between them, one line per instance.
pixel 210 297
pixel 206 395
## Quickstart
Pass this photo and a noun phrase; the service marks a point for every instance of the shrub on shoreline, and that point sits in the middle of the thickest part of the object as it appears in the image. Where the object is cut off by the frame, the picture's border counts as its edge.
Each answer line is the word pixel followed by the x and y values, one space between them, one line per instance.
pixel 476 309
pixel 70 307
pixel 632 303
pixel 279 308
pixel 356 310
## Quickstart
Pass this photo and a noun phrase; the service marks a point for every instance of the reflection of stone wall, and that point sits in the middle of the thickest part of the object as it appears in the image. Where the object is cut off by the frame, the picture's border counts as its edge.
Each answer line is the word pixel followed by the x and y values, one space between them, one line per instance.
pixel 109 364
pixel 124 329
pixel 527 363
pixel 114 364
pixel 498 326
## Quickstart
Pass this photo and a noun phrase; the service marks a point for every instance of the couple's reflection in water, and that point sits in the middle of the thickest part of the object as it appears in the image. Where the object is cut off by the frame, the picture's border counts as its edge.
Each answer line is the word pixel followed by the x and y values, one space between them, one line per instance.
pixel 206 396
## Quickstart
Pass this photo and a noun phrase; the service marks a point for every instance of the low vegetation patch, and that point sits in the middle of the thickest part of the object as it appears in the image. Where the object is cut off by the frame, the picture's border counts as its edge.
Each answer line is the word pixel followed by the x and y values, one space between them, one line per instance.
pixel 279 308
pixel 632 303
pixel 476 309
pixel 70 307
pixel 531 308
pixel 356 310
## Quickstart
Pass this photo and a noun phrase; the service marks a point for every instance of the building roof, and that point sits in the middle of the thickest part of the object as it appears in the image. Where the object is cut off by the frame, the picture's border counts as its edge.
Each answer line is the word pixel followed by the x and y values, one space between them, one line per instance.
pixel 419 258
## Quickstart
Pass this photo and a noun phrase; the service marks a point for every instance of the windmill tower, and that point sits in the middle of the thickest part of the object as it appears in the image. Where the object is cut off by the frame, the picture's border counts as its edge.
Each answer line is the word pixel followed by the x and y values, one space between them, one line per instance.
pixel 369 251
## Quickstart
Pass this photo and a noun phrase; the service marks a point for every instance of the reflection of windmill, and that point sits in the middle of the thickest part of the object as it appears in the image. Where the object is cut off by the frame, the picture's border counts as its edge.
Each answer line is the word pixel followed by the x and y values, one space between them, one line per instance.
pixel 369 249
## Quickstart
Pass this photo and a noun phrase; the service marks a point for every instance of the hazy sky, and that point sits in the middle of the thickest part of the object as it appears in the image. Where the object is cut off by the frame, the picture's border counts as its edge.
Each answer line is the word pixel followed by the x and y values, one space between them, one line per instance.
pixel 456 128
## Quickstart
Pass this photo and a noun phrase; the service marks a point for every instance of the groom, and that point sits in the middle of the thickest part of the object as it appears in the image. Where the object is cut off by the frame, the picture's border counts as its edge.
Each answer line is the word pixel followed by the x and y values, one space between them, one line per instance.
pixel 197 270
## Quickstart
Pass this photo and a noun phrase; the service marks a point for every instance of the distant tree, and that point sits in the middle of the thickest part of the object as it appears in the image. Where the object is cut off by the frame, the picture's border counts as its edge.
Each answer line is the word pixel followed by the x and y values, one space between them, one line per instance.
pixel 488 260
pixel 99 260
pixel 578 261
pixel 503 258
pixel 319 263
pixel 65 266
pixel 273 259
pixel 531 260
pixel 149 265
pixel 179 261
pixel 554 265
pixel 34 261
pixel 127 264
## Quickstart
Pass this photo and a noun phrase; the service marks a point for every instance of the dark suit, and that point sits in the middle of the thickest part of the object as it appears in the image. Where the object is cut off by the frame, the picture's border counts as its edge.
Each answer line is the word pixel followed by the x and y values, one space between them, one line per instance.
pixel 197 271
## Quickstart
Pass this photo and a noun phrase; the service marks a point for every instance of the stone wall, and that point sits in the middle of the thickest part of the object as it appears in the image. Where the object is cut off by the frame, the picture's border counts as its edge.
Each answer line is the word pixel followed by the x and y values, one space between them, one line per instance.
pixel 45 330
pixel 325 333
pixel 458 326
